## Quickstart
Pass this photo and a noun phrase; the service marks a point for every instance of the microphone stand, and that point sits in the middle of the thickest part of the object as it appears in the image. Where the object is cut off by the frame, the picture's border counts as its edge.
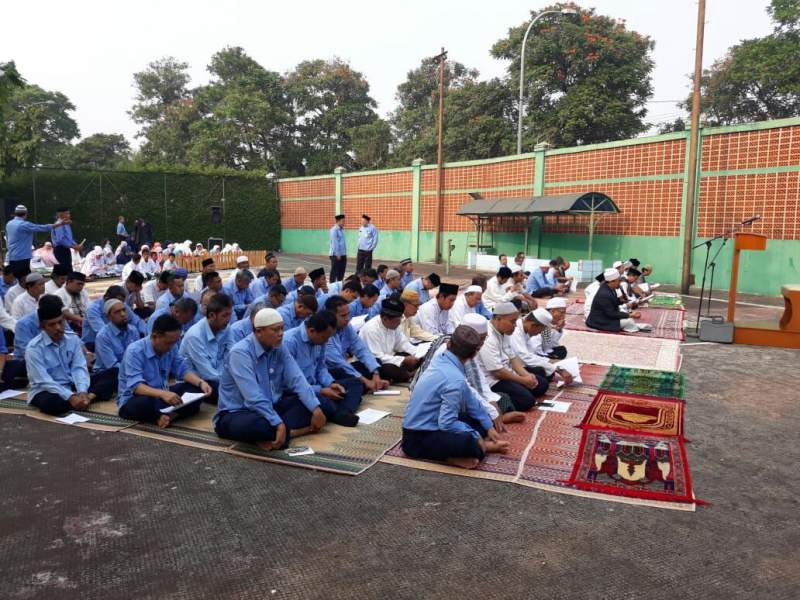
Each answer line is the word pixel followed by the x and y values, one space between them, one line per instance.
pixel 707 244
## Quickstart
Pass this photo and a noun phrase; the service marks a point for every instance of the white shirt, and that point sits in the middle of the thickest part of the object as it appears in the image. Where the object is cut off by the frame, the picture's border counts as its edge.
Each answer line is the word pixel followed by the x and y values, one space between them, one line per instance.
pixel 459 310
pixel 589 294
pixel 6 320
pixel 11 295
pixel 129 268
pixel 384 343
pixel 198 284
pixel 546 348
pixel 148 267
pixel 151 293
pixel 23 305
pixel 520 344
pixel 433 319
pixel 77 305
pixel 50 287
pixel 495 354
pixel 497 292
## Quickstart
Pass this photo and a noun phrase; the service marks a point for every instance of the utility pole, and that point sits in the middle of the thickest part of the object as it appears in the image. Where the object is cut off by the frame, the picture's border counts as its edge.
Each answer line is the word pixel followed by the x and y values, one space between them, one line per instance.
pixel 441 59
pixel 694 137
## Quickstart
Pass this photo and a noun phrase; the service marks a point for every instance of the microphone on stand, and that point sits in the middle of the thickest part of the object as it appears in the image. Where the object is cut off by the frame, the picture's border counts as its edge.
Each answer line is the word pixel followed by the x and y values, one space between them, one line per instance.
pixel 751 220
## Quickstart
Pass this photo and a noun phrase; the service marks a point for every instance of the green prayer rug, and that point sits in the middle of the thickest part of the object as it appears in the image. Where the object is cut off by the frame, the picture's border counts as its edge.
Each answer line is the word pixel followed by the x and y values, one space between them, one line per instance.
pixel 664 384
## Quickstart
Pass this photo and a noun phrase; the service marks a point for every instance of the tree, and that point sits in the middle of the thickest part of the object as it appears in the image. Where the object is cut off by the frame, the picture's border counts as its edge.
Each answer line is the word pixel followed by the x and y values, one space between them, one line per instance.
pixel 247 120
pixel 165 111
pixel 330 99
pixel 586 80
pixel 757 79
pixel 101 151
pixel 669 127
pixel 371 144
pixel 10 82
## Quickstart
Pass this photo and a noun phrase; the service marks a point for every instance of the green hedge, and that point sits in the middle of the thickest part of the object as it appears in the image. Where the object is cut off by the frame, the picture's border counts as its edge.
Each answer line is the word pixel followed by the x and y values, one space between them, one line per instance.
pixel 97 198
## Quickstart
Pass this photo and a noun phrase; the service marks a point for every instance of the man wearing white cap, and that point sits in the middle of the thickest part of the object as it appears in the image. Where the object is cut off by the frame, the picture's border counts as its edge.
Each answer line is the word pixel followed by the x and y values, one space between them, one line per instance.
pixel 295 281
pixel 26 303
pixel 505 372
pixel 530 327
pixel 465 304
pixel 114 337
pixel 606 314
pixel 19 235
pixel 242 264
pixel 391 285
pixel 264 398
pixel 551 336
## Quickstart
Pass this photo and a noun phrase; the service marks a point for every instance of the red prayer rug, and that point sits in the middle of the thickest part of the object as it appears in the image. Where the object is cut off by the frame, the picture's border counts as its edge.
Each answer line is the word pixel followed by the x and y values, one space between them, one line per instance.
pixel 666 323
pixel 649 415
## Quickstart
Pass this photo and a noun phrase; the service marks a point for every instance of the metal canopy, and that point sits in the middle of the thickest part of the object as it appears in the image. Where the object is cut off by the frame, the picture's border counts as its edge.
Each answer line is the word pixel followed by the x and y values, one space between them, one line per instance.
pixel 576 203
pixel 482 212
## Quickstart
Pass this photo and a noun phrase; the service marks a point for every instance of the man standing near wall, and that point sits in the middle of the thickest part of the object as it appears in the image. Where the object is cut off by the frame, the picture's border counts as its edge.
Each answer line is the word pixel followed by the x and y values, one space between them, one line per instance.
pixel 19 236
pixel 122 232
pixel 367 242
pixel 338 252
pixel 63 241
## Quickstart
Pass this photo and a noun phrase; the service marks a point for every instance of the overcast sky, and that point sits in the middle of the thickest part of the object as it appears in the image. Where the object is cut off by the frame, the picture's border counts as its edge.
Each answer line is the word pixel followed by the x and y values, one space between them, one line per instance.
pixel 89 49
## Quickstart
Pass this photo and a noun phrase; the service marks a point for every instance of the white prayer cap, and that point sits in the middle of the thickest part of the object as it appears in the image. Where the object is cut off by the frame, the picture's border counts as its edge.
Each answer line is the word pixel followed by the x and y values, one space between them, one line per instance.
pixel 515 268
pixel 300 271
pixel 476 322
pixel 98 250
pixel 544 263
pixel 541 315
pixel 242 259
pixel 617 264
pixel 267 317
pixel 556 303
pixel 505 308
pixel 109 304
pixel 21 208
pixel 391 274
pixel 473 289
pixel 610 274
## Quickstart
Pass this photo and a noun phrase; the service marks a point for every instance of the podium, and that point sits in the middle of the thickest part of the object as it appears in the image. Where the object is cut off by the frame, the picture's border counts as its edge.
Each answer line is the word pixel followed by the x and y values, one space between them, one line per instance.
pixel 782 334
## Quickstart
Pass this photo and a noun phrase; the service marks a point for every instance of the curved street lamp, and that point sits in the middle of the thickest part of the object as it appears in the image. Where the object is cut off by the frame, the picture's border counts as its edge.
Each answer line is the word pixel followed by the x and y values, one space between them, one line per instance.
pixel 564 12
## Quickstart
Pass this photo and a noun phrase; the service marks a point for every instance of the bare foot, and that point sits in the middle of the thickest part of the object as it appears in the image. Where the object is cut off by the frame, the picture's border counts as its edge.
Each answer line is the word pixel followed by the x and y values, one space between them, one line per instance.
pixel 92 397
pixel 501 446
pixel 266 445
pixel 464 463
pixel 164 421
pixel 298 432
pixel 514 417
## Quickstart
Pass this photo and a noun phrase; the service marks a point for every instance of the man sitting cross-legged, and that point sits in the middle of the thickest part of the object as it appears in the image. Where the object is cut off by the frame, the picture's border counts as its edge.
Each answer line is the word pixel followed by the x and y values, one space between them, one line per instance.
pixel 346 342
pixel 144 375
pixel 445 419
pixel 606 313
pixel 525 340
pixel 205 345
pixel 264 399
pixel 57 372
pixel 339 398
pixel 434 315
pixel 114 337
pixel 244 327
pixel 388 344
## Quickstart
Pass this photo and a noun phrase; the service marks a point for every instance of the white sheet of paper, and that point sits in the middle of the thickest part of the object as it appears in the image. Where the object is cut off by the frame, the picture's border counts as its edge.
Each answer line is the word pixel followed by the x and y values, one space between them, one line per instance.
pixel 421 350
pixel 368 416
pixel 358 322
pixel 10 394
pixel 645 287
pixel 71 419
pixel 571 366
pixel 558 406
pixel 299 451
pixel 187 398
pixel 387 393
pixel 655 286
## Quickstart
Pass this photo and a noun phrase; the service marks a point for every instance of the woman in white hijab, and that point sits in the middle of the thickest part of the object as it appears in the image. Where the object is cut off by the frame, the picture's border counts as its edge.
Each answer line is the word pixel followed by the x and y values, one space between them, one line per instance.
pixel 94 265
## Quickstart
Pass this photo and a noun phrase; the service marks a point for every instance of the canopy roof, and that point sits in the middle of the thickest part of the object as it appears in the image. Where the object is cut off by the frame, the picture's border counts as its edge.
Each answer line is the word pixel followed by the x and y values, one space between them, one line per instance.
pixel 575 203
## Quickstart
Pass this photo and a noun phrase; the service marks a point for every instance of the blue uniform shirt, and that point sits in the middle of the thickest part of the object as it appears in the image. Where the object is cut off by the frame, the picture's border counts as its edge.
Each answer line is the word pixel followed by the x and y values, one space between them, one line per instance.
pixel 290 318
pixel 309 357
pixel 258 287
pixel 96 319
pixel 405 279
pixel 346 341
pixel 255 379
pixel 168 311
pixel 538 280
pixel 110 345
pixel 357 309
pixel 205 351
pixel 241 298
pixel 418 287
pixel 26 329
pixel 338 246
pixel 239 331
pixel 56 368
pixel 367 237
pixel 62 236
pixel 19 234
pixel 141 364
pixel 121 229
pixel 167 299
pixel 441 395
pixel 482 310
pixel 290 284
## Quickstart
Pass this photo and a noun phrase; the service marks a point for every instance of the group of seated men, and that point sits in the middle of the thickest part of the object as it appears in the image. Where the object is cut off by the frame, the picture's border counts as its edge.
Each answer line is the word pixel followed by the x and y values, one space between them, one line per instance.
pixel 278 357
pixel 612 298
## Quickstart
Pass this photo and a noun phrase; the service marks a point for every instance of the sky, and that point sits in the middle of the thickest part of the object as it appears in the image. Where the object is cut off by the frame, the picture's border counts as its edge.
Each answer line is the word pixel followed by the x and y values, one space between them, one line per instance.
pixel 89 50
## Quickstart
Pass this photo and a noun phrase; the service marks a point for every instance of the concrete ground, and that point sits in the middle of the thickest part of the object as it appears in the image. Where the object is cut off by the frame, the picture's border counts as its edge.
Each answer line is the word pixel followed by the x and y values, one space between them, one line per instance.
pixel 96 515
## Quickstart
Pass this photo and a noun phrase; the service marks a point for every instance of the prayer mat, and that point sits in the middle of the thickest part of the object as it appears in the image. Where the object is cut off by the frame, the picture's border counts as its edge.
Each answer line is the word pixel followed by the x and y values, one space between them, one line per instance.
pixel 633 351
pixel 101 415
pixel 648 415
pixel 633 465
pixel 665 384
pixel 667 323
pixel 671 301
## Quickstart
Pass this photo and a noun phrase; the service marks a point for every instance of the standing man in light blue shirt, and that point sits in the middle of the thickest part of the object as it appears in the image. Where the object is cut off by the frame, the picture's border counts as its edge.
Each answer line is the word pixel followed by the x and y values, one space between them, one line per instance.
pixel 122 232
pixel 114 337
pixel 62 238
pixel 339 399
pixel 205 345
pixel 338 250
pixel 144 389
pixel 57 372
pixel 367 242
pixel 445 419
pixel 264 399
pixel 19 236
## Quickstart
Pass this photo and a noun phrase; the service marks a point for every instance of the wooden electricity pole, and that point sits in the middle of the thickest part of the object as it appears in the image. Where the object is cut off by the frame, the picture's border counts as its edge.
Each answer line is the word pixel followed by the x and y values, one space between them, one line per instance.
pixel 694 137
pixel 441 59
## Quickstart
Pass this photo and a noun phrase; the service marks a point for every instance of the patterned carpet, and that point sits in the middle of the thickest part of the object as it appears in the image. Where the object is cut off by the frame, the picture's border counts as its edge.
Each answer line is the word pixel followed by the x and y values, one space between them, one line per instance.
pixel 667 322
pixel 630 351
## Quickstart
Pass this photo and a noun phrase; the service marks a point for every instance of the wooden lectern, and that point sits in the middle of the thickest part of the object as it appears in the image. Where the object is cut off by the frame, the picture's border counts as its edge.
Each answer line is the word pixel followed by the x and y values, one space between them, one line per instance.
pixel 782 334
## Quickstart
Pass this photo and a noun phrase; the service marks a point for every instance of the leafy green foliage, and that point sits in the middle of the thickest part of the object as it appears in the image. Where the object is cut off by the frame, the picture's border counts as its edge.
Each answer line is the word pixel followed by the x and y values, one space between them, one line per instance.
pixel 101 151
pixel 586 79
pixel 371 144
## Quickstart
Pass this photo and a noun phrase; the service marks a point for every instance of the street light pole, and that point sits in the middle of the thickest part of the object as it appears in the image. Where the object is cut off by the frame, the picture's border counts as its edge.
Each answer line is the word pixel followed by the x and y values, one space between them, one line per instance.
pixel 566 12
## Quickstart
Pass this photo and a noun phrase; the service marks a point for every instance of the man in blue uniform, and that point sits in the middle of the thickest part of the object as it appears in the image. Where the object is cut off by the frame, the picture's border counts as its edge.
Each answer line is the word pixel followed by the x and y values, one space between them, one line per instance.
pixel 338 250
